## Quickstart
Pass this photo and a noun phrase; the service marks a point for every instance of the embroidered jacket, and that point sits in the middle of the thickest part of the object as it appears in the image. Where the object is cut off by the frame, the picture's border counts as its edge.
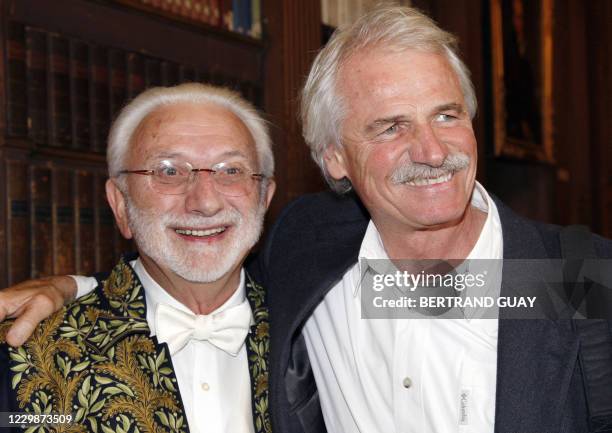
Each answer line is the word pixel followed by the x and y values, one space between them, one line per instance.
pixel 95 360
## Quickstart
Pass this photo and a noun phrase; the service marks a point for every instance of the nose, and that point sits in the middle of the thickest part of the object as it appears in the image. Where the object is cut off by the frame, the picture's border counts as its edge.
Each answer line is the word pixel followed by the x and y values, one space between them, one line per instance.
pixel 202 198
pixel 426 147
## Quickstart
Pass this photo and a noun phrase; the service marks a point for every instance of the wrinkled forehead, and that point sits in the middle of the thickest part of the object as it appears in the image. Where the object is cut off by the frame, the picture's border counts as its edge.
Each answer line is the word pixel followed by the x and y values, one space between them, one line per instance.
pixel 199 131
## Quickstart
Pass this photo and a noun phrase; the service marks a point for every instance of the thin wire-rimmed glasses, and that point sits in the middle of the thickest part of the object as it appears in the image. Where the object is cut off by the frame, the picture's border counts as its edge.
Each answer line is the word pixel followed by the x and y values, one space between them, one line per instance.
pixel 174 177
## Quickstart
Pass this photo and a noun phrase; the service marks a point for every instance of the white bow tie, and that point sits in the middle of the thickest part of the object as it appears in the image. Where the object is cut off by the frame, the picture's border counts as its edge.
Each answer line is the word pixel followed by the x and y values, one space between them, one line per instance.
pixel 226 330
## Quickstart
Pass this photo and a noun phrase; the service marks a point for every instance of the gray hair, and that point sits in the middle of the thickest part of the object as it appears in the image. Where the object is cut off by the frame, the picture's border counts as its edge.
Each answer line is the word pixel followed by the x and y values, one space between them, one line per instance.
pixel 394 27
pixel 132 115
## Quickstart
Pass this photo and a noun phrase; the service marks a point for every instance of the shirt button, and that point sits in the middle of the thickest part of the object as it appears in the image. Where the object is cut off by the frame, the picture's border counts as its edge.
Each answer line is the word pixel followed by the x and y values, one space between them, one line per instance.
pixel 407 382
pixel 205 386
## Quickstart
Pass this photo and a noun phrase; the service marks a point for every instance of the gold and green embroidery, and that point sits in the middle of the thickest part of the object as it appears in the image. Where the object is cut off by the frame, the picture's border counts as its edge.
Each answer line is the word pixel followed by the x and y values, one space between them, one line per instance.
pixel 258 345
pixel 99 364
pixel 95 360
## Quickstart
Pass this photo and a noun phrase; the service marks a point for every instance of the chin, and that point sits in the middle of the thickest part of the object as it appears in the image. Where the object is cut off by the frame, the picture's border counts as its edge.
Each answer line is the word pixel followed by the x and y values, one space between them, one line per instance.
pixel 441 217
pixel 205 264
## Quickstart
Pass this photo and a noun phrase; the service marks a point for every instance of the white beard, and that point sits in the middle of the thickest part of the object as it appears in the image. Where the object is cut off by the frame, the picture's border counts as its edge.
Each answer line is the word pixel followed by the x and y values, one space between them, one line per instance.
pixel 197 262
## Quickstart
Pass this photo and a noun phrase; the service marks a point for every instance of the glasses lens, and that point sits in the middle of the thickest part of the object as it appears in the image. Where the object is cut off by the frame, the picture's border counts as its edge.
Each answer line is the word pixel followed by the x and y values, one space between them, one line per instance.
pixel 232 179
pixel 171 177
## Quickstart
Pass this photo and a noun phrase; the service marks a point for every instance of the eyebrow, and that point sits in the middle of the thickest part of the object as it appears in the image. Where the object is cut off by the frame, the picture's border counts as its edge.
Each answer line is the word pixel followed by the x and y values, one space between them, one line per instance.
pixel 229 153
pixel 233 153
pixel 167 155
pixel 452 106
pixel 377 123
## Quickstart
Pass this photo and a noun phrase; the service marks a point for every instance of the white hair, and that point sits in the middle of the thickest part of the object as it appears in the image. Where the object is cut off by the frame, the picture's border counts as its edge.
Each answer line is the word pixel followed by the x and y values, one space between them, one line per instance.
pixel 395 28
pixel 132 115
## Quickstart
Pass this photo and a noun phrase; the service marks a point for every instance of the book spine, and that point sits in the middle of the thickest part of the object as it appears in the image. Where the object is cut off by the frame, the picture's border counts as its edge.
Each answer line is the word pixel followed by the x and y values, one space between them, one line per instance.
pixel 187 74
pixel 170 73
pixel 79 94
pixel 64 227
pixel 175 7
pixel 99 97
pixel 186 8
pixel 18 222
pixel 247 12
pixel 36 60
pixel 256 28
pixel 86 237
pixel 238 16
pixel 16 101
pixel 136 82
pixel 153 75
pixel 60 129
pixel 42 222
pixel 215 13
pixel 203 11
pixel 226 13
pixel 118 81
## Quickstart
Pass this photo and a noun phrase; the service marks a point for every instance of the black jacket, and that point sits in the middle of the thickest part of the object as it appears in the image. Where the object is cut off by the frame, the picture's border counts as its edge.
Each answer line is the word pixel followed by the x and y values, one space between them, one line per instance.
pixel 317 239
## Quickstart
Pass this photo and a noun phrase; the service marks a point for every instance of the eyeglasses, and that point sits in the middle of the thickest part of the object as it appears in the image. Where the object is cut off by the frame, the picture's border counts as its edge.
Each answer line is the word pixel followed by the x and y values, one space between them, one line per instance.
pixel 175 177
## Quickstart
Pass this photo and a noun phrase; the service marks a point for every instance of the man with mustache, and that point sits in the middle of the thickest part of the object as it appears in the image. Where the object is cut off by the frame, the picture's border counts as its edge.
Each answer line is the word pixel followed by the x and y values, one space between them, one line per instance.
pixel 386 112
pixel 175 338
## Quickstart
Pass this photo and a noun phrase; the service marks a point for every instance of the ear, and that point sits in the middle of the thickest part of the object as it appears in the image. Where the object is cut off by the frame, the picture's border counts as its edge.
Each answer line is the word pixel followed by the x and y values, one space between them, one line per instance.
pixel 335 162
pixel 117 203
pixel 270 189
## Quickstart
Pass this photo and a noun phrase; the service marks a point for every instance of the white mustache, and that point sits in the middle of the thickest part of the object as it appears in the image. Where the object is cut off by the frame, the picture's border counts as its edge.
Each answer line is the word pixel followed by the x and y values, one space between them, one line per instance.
pixel 416 171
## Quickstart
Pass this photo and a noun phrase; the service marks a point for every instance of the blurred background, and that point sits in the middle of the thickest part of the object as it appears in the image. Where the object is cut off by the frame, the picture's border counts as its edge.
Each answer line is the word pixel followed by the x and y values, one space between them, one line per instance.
pixel 542 72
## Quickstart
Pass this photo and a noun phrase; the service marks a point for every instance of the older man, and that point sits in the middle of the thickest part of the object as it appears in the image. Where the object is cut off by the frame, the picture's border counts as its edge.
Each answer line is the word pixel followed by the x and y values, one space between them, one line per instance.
pixel 159 345
pixel 387 112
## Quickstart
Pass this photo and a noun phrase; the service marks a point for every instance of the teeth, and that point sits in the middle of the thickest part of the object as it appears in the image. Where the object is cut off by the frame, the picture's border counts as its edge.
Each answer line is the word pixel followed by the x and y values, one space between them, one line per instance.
pixel 200 233
pixel 432 181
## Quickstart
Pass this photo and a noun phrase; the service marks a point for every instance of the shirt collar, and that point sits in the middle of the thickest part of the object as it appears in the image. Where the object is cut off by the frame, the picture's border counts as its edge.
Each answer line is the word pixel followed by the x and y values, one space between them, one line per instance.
pixel 488 246
pixel 156 294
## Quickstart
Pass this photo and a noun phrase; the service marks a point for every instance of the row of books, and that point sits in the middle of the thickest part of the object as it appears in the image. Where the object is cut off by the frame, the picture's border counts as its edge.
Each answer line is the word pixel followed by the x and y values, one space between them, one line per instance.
pixel 241 16
pixel 58 221
pixel 64 92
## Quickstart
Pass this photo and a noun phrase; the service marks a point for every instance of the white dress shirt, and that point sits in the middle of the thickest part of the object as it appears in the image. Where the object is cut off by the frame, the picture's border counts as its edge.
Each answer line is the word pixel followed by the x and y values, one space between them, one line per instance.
pixel 405 375
pixel 215 387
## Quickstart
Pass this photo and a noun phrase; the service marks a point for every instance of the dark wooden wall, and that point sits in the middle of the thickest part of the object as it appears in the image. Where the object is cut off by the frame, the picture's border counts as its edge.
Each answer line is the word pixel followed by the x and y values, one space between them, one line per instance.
pixel 578 187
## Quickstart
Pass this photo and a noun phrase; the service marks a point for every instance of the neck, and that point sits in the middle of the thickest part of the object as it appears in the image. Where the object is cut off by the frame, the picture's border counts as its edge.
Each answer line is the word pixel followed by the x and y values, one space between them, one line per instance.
pixel 451 241
pixel 200 298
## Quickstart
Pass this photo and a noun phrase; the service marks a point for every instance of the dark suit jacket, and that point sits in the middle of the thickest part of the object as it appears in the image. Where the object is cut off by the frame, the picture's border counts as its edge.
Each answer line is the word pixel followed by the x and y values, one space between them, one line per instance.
pixel 317 239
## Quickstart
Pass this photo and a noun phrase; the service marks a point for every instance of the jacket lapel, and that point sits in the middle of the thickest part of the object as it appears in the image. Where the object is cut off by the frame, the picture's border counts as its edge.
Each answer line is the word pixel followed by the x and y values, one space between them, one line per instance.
pixel 258 346
pixel 536 357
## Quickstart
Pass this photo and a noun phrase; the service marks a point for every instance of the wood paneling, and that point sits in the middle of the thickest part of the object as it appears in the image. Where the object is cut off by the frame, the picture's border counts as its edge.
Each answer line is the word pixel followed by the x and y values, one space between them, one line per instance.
pixel 293 38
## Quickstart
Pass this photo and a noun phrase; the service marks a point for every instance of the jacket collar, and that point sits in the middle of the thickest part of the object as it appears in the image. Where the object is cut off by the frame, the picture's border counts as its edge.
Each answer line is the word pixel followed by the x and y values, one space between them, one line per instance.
pixel 258 347
pixel 125 296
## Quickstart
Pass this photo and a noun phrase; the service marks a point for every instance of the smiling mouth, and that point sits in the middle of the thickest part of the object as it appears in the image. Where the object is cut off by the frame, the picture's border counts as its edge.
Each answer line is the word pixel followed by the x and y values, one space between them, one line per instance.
pixel 430 181
pixel 201 233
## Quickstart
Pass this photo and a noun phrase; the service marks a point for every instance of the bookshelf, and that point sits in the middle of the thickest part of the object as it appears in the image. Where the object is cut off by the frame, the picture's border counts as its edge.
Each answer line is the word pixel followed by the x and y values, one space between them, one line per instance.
pixel 66 69
pixel 239 16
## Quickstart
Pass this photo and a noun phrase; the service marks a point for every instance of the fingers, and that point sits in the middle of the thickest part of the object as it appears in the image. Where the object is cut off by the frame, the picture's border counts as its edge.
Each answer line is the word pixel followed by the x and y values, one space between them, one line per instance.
pixel 38 308
pixel 31 302
pixel 12 298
